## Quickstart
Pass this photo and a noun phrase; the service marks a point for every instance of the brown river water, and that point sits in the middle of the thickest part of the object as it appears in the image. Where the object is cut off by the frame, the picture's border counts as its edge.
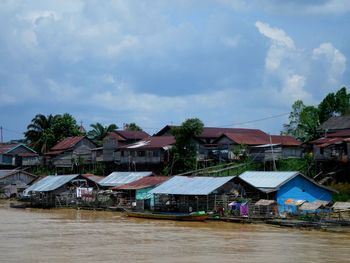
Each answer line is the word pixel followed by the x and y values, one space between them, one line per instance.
pixel 68 235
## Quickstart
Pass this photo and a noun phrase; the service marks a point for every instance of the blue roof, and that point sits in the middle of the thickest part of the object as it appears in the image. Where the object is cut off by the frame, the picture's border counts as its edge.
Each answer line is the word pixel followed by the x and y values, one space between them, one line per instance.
pixel 120 178
pixel 50 183
pixel 183 185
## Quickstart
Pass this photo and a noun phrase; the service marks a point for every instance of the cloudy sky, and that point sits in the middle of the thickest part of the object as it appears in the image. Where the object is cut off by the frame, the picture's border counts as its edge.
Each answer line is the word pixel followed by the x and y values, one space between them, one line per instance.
pixel 155 62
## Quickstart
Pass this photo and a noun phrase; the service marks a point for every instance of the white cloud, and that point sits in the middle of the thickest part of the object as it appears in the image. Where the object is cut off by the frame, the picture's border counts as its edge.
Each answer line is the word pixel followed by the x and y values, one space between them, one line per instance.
pixel 278 36
pixel 281 45
pixel 293 89
pixel 335 60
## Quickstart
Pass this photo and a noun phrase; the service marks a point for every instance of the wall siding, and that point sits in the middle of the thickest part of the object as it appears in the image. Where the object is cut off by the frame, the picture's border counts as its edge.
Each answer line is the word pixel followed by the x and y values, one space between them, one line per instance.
pixel 300 188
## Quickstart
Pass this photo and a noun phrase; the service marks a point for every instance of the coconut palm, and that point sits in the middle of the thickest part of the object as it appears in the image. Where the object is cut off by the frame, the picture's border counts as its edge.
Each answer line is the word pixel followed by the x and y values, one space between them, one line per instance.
pixel 38 132
pixel 99 131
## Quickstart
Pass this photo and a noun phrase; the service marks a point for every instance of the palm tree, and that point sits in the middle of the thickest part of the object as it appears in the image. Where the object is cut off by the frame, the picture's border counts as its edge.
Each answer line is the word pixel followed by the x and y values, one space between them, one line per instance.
pixel 38 133
pixel 99 131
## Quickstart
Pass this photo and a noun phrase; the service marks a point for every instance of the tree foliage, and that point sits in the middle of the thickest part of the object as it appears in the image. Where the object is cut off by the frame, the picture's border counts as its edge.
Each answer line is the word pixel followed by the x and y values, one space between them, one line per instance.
pixel 45 131
pixel 99 131
pixel 305 120
pixel 184 152
pixel 132 127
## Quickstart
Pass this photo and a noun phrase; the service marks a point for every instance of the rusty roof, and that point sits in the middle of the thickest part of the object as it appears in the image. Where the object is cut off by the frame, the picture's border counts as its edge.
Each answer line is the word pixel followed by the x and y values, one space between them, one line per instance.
pixel 144 182
pixel 8 147
pixel 248 138
pixel 213 132
pixel 132 135
pixel 324 142
pixel 344 133
pixel 285 140
pixel 336 123
pixel 153 142
pixel 92 177
pixel 67 143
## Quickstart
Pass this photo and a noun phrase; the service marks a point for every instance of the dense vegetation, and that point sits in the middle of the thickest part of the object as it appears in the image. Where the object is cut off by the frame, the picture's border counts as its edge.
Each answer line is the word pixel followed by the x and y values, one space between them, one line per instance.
pixel 304 120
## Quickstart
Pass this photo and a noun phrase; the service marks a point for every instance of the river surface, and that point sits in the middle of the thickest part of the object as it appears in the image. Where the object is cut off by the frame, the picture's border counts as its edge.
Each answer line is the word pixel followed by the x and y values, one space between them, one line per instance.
pixel 68 235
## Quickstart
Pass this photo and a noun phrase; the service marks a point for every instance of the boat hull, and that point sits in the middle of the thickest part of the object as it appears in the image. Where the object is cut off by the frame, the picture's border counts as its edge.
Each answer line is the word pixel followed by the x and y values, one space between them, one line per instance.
pixel 169 216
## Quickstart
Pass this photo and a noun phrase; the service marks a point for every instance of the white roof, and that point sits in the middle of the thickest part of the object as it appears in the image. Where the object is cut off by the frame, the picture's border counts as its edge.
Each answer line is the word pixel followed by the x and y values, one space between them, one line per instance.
pixel 120 178
pixel 267 179
pixel 50 183
pixel 183 185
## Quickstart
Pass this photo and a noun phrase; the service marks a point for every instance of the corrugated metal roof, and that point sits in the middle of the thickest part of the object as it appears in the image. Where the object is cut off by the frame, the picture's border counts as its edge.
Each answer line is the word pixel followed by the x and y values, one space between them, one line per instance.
pixel 132 135
pixel 183 185
pixel 153 142
pixel 50 183
pixel 67 143
pixel 267 179
pixel 341 206
pixel 120 178
pixel 310 206
pixel 4 173
pixel 144 182
pixel 285 140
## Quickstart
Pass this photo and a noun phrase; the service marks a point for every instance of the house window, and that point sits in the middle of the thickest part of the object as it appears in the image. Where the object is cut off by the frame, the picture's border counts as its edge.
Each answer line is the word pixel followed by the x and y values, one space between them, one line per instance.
pixel 155 153
pixel 122 153
pixel 141 153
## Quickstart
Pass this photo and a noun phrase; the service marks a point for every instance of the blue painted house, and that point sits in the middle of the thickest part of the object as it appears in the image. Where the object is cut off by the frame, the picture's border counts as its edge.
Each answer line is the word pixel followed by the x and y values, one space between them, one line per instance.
pixel 289 189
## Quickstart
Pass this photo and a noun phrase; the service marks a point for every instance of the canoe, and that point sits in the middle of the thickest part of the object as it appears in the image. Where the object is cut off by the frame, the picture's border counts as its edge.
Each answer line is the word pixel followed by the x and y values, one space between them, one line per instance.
pixel 195 216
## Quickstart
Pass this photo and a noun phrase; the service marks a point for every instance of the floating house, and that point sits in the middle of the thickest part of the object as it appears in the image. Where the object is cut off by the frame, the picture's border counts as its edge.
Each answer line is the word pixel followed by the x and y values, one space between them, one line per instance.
pixel 121 178
pixel 138 191
pixel 186 194
pixel 13 182
pixel 289 189
pixel 57 190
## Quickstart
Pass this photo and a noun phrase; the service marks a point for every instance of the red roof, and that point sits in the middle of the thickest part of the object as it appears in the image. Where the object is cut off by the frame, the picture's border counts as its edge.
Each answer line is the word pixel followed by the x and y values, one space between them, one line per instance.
pixel 4 148
pixel 248 139
pixel 153 142
pixel 212 132
pixel 144 182
pixel 325 141
pixel 93 177
pixel 132 135
pixel 285 140
pixel 67 143
pixel 344 133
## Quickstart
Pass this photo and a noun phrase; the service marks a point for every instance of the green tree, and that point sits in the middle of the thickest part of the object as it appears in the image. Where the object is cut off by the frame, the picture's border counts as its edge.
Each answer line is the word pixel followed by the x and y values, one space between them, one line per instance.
pixel 64 126
pixel 39 132
pixel 132 127
pixel 184 152
pixel 334 105
pixel 327 107
pixel 99 131
pixel 293 127
pixel 309 122
pixel 45 131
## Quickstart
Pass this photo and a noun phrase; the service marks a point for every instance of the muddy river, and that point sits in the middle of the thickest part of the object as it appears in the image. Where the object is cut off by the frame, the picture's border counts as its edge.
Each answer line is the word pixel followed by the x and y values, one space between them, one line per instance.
pixel 67 235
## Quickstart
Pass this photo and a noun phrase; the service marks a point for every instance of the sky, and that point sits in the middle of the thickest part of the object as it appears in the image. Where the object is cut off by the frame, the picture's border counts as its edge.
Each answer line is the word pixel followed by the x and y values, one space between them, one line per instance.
pixel 230 63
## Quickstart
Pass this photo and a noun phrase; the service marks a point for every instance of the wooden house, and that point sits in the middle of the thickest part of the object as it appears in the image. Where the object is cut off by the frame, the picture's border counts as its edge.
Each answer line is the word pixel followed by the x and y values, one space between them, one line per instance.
pixel 13 182
pixel 288 189
pixel 71 151
pixel 115 140
pixel 150 152
pixel 17 154
pixel 187 194
pixel 58 190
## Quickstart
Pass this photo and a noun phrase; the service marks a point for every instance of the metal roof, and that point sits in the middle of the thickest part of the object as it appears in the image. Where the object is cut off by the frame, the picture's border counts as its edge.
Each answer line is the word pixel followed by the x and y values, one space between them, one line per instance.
pixel 120 178
pixel 271 181
pixel 183 185
pixel 145 182
pixel 341 206
pixel 4 173
pixel 50 183
pixel 267 179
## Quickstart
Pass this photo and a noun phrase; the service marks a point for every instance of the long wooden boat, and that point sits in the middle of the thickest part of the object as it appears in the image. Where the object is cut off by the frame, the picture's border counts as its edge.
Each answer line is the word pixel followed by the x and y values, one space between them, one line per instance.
pixel 195 216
